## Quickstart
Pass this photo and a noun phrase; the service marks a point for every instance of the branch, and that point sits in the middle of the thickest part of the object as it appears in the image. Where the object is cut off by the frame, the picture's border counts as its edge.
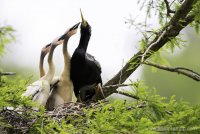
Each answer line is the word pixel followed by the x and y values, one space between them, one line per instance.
pixel 180 70
pixel 140 105
pixel 6 73
pixel 150 46
pixel 178 22
pixel 127 94
pixel 168 8
pixel 117 85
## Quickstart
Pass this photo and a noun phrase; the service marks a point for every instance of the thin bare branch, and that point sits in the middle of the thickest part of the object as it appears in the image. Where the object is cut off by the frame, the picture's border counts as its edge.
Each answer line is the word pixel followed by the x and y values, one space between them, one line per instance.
pixel 168 8
pixel 117 85
pixel 7 73
pixel 180 70
pixel 128 95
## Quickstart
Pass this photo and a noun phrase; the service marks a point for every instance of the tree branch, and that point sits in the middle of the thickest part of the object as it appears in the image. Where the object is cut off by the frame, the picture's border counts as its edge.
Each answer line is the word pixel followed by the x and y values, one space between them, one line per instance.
pixel 6 73
pixel 117 85
pixel 127 94
pixel 180 70
pixel 150 46
pixel 179 21
pixel 168 8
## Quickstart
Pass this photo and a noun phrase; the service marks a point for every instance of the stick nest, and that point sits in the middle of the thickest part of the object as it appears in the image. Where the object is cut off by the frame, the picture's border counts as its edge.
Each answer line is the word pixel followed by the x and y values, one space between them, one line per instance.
pixel 22 122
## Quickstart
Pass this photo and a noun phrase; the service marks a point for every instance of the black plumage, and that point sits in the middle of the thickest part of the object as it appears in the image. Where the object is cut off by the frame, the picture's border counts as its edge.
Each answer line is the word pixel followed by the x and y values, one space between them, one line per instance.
pixel 87 92
pixel 85 70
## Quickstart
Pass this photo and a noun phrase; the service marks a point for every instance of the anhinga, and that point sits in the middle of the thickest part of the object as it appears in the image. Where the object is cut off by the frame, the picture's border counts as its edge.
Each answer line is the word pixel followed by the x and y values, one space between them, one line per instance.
pixel 45 50
pixel 63 91
pixel 39 90
pixel 85 70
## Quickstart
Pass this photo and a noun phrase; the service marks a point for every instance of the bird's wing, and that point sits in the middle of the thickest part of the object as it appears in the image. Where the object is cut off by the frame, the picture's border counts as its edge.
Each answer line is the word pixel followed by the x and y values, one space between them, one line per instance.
pixel 33 89
pixel 92 58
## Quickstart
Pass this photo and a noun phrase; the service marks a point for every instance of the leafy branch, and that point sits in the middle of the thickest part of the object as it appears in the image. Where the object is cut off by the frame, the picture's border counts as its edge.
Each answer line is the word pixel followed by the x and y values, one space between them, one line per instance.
pixel 6 36
pixel 128 95
pixel 179 21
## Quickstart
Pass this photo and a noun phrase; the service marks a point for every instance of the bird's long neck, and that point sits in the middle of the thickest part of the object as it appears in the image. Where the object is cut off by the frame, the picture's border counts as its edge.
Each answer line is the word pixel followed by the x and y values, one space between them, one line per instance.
pixel 41 68
pixel 84 40
pixel 51 71
pixel 66 71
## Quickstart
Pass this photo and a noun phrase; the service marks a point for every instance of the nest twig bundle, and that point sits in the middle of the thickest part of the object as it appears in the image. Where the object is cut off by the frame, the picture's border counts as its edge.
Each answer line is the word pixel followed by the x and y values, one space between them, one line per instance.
pixel 18 123
pixel 21 122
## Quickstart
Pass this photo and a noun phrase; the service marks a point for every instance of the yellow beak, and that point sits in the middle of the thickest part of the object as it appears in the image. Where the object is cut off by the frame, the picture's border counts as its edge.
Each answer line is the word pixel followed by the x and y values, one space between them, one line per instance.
pixel 83 21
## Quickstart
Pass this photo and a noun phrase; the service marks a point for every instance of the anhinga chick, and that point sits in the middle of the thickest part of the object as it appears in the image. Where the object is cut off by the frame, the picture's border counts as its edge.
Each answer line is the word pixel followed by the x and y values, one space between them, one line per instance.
pixel 85 70
pixel 40 89
pixel 63 91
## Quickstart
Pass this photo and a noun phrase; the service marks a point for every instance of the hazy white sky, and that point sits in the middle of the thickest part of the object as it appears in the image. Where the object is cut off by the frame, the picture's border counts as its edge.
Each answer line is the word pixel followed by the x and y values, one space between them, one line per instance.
pixel 38 22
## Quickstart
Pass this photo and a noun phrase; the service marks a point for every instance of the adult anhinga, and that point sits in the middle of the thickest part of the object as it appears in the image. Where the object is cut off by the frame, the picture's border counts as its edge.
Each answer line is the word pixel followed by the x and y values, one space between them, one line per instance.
pixel 63 91
pixel 39 90
pixel 85 70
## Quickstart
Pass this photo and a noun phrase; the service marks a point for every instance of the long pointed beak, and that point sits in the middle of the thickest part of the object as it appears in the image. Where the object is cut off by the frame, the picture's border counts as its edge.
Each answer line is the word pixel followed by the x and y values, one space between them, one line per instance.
pixel 83 20
pixel 73 28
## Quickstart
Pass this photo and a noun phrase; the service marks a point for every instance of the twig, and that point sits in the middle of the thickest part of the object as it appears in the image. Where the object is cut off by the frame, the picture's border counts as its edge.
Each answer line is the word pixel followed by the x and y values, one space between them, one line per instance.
pixel 168 112
pixel 117 85
pixel 168 8
pixel 121 72
pixel 6 73
pixel 154 43
pixel 180 70
pixel 128 95
pixel 137 98
pixel 172 2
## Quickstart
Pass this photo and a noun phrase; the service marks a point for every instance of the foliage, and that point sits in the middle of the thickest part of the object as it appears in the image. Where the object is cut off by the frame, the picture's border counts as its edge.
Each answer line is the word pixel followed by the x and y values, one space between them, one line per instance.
pixel 10 92
pixel 6 36
pixel 10 97
pixel 186 47
pixel 151 113
pixel 159 8
pixel 196 11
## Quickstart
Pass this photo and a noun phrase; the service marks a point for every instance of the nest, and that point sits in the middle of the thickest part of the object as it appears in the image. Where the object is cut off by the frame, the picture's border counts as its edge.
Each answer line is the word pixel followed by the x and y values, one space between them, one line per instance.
pixel 21 123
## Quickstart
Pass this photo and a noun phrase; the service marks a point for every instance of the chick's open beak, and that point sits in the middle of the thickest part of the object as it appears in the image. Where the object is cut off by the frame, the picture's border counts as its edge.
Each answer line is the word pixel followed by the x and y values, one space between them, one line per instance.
pixel 83 21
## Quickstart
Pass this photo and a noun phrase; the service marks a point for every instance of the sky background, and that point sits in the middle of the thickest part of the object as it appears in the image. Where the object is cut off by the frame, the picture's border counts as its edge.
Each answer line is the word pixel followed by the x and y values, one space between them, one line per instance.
pixel 38 22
